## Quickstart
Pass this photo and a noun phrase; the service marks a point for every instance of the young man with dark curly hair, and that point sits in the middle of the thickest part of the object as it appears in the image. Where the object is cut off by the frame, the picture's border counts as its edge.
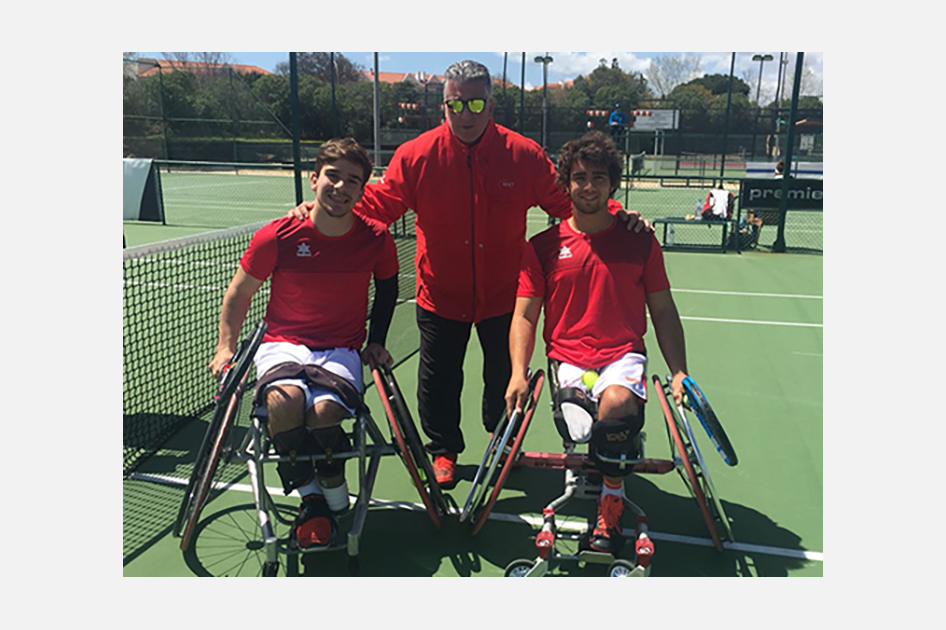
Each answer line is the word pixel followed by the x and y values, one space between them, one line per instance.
pixel 595 280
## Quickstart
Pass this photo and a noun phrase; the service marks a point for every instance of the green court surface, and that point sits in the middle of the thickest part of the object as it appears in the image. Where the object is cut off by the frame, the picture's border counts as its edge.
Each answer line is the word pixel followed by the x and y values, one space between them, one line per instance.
pixel 754 334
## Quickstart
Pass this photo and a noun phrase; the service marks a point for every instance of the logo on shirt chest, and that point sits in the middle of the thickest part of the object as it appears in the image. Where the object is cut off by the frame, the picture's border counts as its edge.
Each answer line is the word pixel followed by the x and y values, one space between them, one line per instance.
pixel 564 252
pixel 303 250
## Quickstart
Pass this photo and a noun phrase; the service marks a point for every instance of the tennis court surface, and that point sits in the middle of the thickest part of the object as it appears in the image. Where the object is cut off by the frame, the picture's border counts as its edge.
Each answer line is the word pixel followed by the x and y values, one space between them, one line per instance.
pixel 754 333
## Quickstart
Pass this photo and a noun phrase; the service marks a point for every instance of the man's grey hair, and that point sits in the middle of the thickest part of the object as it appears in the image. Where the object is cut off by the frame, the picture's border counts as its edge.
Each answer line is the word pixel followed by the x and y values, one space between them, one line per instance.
pixel 467 71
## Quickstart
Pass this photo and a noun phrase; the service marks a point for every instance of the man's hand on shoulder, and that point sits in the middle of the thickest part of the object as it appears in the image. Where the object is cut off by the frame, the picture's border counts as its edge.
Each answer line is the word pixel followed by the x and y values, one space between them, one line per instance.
pixel 634 220
pixel 301 212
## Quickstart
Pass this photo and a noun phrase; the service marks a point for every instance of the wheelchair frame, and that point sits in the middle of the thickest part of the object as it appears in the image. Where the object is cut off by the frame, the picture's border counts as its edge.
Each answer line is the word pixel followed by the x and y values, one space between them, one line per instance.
pixel 579 467
pixel 256 450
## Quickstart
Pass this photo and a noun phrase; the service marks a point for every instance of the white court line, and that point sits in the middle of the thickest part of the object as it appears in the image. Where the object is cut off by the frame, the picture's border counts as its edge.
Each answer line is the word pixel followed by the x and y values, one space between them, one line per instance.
pixel 721 320
pixel 534 521
pixel 749 321
pixel 414 301
pixel 776 295
pixel 174 187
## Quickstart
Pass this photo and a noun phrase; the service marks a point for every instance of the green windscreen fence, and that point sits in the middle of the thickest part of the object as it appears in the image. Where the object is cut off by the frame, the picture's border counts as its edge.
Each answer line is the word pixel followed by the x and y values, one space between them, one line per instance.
pixel 141 191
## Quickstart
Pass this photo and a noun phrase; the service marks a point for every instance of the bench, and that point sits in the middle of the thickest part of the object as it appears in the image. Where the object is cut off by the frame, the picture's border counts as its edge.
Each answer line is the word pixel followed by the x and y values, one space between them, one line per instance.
pixel 670 238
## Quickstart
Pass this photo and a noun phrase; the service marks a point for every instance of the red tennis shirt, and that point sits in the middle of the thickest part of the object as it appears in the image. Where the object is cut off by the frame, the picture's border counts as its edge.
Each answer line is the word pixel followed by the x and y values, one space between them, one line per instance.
pixel 595 290
pixel 319 289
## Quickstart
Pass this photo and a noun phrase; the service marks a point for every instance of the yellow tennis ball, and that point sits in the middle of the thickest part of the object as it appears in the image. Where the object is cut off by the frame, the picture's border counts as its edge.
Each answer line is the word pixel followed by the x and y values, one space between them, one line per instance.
pixel 589 377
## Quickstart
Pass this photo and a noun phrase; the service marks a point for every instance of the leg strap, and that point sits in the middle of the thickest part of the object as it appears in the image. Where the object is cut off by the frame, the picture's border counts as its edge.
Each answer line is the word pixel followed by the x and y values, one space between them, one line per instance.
pixel 328 441
pixel 613 437
pixel 293 443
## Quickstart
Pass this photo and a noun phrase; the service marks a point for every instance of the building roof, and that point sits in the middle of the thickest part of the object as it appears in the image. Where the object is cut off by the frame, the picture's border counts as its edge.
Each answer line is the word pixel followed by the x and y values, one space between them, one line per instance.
pixel 147 67
pixel 419 78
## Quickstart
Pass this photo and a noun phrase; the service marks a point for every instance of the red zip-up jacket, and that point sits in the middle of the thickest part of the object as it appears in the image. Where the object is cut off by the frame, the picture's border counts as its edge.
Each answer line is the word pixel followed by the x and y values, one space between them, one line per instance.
pixel 471 204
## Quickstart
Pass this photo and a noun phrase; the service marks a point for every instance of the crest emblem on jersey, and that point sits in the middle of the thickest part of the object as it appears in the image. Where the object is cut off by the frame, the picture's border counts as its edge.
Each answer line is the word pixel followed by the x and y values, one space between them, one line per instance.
pixel 564 252
pixel 303 250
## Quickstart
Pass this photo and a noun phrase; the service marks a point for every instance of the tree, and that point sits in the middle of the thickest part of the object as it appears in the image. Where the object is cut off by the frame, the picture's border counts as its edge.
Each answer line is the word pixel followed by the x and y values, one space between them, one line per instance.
pixel 719 84
pixel 666 73
pixel 740 113
pixel 693 101
pixel 319 64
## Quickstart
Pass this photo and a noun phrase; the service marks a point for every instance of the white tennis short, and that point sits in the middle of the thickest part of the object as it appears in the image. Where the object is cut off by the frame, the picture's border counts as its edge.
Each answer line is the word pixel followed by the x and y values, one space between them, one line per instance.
pixel 344 362
pixel 628 371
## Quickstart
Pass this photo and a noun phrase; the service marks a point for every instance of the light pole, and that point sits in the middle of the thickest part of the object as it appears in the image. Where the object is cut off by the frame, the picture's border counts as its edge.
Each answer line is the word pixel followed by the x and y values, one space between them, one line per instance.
pixel 758 106
pixel 761 59
pixel 545 61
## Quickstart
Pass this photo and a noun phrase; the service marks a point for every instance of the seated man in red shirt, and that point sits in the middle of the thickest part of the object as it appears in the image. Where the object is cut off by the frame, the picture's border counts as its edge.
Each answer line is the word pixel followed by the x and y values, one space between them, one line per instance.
pixel 594 279
pixel 318 303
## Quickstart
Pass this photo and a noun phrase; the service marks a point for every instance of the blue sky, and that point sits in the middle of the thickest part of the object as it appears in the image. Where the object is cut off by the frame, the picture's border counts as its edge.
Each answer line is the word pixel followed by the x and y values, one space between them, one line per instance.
pixel 566 65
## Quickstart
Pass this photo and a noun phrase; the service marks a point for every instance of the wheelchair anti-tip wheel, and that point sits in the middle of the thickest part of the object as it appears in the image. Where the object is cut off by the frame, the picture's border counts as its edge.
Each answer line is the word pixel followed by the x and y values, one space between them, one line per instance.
pixel 621 568
pixel 697 402
pixel 503 449
pixel 408 444
pixel 694 473
pixel 518 568
pixel 215 442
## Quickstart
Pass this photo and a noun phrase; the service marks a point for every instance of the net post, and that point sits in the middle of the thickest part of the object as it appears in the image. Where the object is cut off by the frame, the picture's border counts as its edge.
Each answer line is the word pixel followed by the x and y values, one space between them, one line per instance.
pixel 779 244
pixel 294 108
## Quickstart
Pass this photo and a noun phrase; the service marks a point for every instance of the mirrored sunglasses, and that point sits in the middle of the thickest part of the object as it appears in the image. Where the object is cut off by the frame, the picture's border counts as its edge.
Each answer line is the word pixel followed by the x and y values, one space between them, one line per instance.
pixel 475 105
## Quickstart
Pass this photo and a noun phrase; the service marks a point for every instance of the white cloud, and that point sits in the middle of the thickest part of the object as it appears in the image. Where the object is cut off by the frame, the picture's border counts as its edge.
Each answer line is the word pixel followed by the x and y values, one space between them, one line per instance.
pixel 568 65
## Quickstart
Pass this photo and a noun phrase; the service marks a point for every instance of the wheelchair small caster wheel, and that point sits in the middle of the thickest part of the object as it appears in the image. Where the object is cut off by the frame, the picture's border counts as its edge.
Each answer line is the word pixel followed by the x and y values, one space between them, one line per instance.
pixel 620 568
pixel 354 566
pixel 518 568
pixel 270 569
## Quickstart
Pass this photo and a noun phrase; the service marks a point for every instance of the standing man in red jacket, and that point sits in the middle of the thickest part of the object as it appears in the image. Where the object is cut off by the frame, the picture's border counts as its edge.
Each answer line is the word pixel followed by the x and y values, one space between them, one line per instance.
pixel 471 184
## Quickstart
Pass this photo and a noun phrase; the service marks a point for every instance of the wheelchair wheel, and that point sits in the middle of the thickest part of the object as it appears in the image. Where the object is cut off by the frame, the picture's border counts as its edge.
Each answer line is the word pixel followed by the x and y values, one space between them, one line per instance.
pixel 707 417
pixel 497 453
pixel 518 568
pixel 215 441
pixel 621 568
pixel 709 491
pixel 408 444
pixel 229 543
pixel 685 451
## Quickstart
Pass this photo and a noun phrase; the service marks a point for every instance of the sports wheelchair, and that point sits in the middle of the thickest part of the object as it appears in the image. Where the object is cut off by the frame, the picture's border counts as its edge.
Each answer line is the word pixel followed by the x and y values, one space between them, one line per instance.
pixel 583 479
pixel 222 444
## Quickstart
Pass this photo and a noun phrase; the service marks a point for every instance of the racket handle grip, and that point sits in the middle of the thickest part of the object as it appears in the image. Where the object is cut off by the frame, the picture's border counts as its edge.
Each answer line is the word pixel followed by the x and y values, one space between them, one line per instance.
pixel 223 380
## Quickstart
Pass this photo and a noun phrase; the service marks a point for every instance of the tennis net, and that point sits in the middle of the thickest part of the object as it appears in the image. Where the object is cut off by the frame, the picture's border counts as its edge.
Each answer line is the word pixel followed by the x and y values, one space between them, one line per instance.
pixel 172 292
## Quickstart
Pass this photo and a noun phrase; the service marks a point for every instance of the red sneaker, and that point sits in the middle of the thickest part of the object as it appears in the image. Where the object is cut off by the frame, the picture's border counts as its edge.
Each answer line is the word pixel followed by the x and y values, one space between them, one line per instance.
pixel 445 467
pixel 314 526
pixel 606 536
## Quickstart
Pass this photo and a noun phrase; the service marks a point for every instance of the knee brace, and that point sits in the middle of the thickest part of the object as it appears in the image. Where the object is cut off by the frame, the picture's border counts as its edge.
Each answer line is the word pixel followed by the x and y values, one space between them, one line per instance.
pixel 293 474
pixel 328 441
pixel 574 415
pixel 613 437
